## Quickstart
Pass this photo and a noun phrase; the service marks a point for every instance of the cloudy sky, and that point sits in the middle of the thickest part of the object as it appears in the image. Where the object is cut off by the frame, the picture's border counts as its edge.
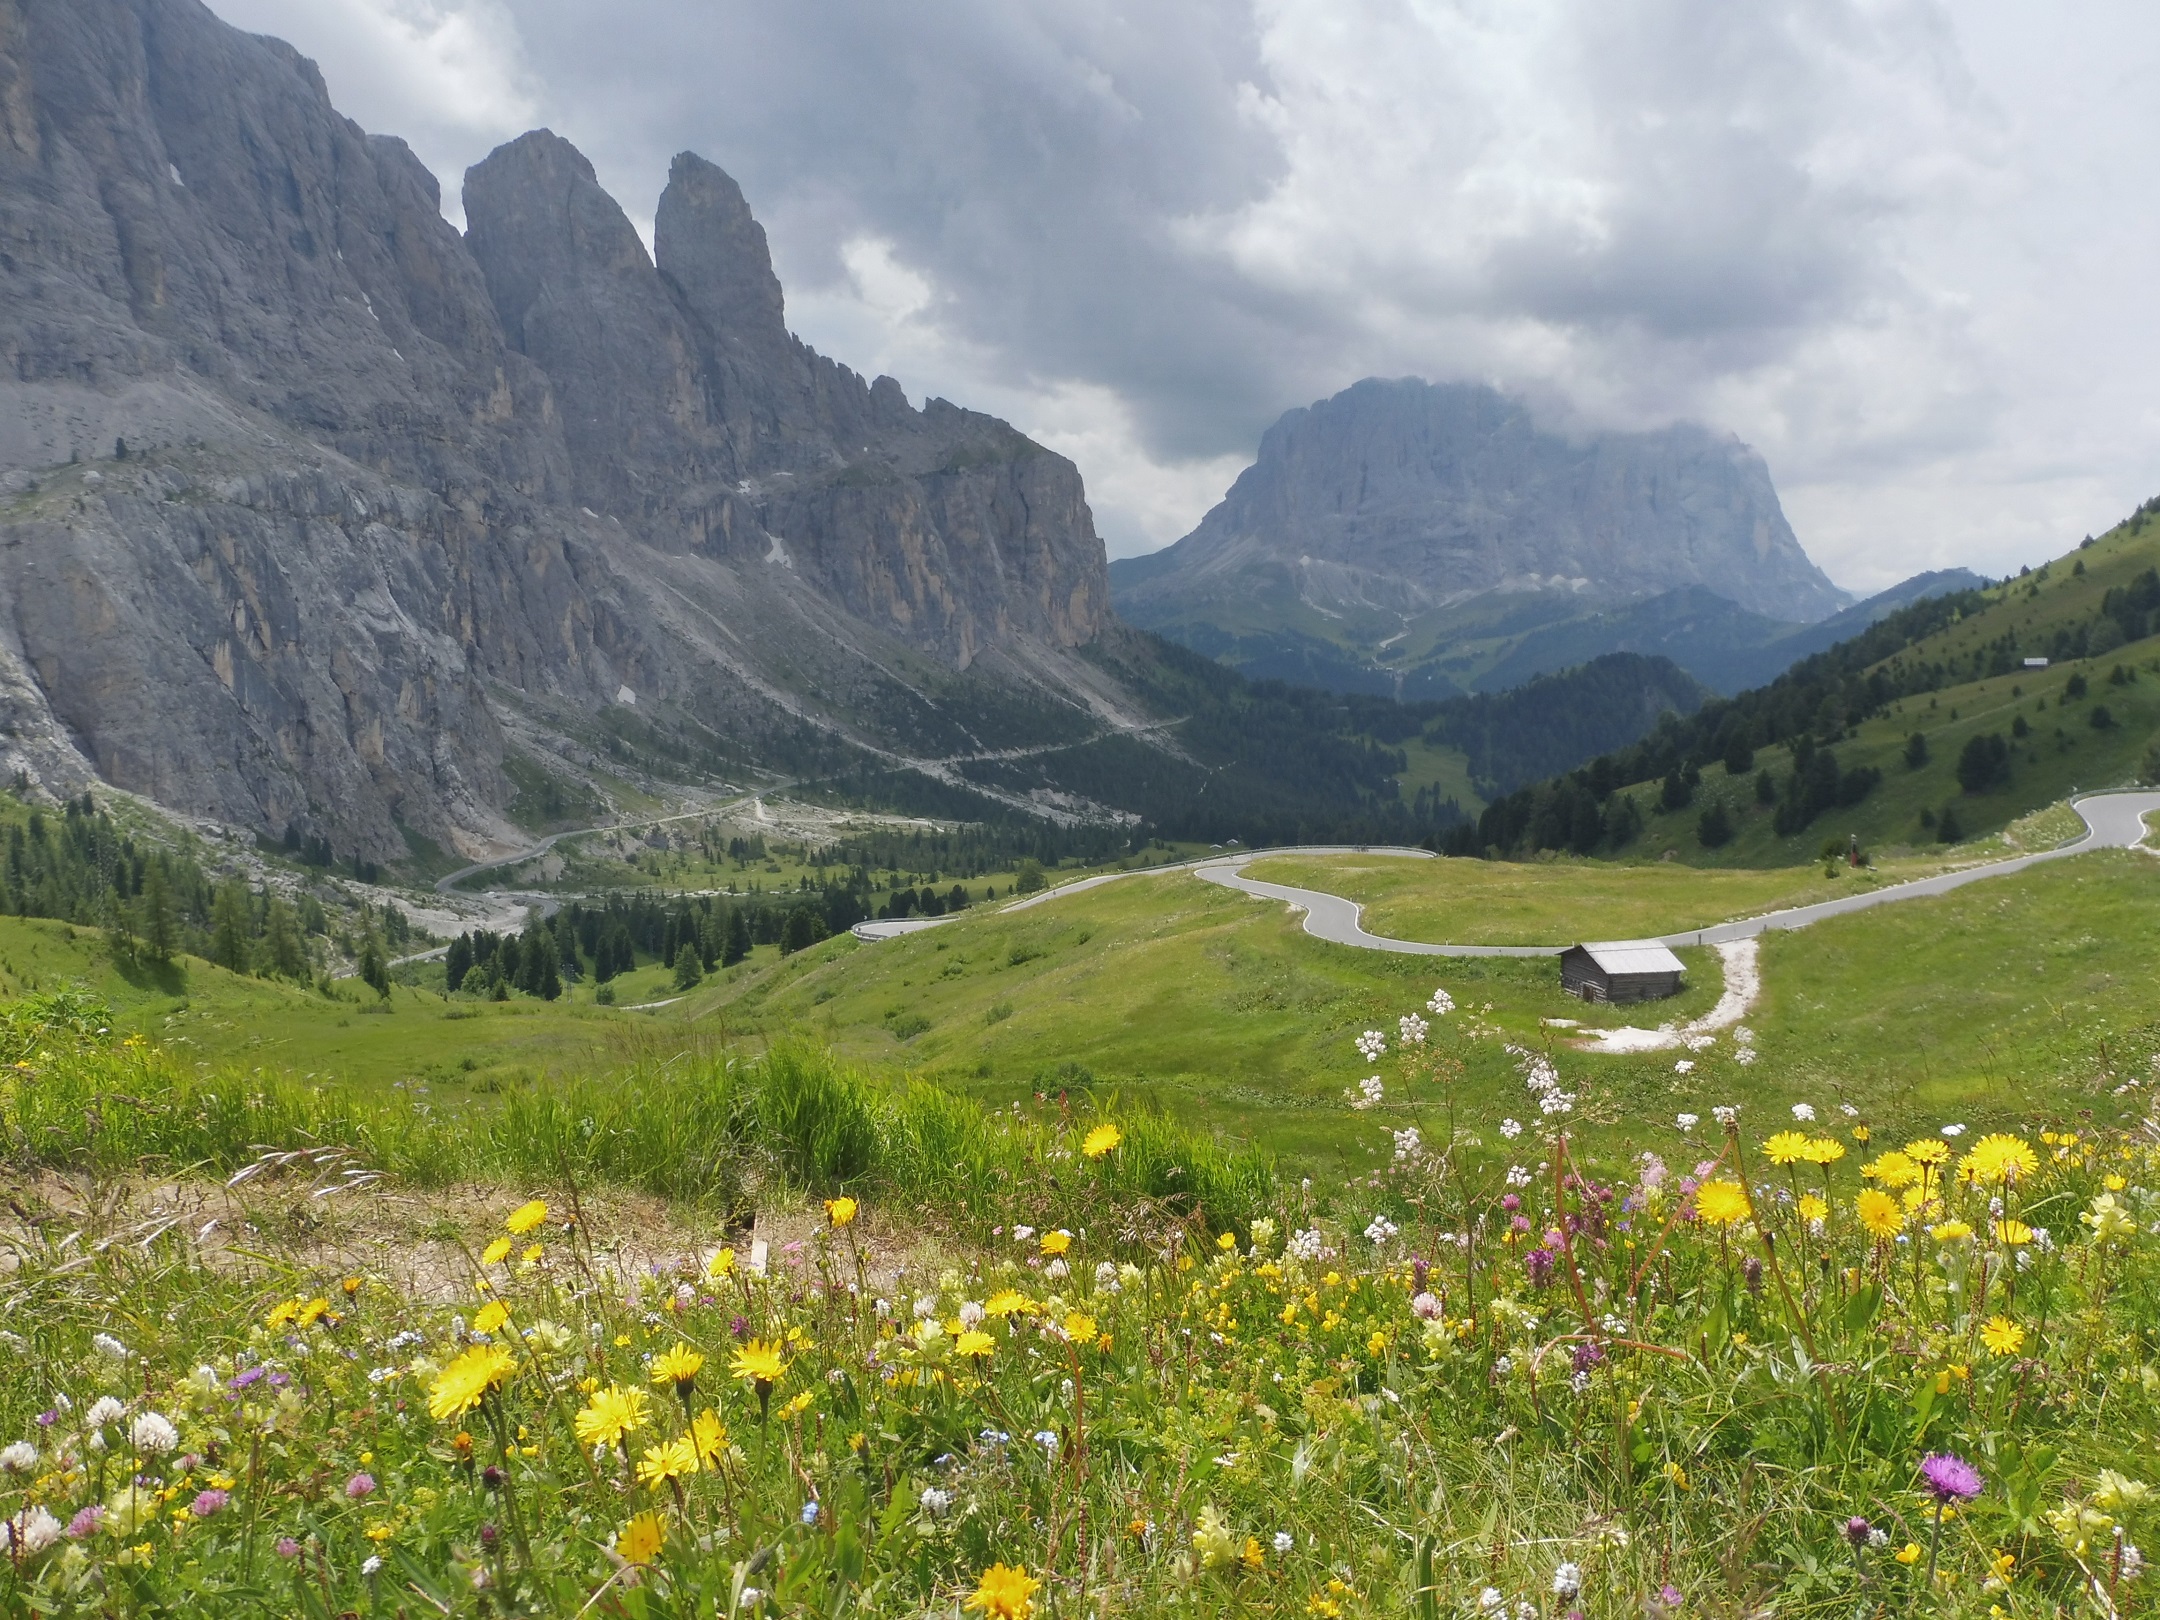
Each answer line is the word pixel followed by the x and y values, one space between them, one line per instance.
pixel 1903 248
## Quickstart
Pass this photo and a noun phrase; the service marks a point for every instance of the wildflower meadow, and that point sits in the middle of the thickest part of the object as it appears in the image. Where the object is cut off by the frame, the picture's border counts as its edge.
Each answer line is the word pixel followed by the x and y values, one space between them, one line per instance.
pixel 1784 1360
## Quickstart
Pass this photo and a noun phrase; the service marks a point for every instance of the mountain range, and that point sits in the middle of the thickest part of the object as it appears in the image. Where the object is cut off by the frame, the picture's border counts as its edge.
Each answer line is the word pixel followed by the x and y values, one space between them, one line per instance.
pixel 1423 541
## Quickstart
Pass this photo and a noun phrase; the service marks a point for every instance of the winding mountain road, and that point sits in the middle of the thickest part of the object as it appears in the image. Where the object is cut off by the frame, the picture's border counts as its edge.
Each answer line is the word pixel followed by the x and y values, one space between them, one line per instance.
pixel 2112 821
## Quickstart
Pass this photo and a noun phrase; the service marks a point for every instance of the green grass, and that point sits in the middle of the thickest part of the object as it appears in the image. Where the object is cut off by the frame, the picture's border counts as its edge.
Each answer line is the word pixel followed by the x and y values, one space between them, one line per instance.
pixel 1561 900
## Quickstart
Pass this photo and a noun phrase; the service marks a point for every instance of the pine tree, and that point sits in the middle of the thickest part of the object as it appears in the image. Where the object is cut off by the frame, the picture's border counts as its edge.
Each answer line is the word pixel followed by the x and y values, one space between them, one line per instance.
pixel 738 937
pixel 284 947
pixel 374 965
pixel 458 962
pixel 232 926
pixel 159 929
pixel 688 974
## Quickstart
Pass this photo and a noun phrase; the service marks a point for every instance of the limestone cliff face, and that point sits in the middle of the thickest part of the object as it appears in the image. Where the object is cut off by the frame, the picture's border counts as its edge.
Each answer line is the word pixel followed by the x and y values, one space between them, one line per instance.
pixel 384 480
pixel 1400 496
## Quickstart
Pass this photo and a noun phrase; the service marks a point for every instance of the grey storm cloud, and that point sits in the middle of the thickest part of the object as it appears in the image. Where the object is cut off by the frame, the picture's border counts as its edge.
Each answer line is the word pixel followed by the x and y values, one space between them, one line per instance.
pixel 1144 231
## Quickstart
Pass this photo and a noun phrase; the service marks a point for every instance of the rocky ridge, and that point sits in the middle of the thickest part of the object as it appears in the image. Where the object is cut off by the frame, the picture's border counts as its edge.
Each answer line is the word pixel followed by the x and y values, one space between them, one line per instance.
pixel 313 512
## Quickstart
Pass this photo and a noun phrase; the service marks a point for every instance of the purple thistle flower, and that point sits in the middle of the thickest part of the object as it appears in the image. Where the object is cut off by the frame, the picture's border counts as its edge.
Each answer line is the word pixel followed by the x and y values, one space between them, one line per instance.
pixel 1856 1530
pixel 1588 1356
pixel 1950 1479
pixel 740 1327
pixel 360 1485
pixel 287 1547
pixel 1669 1595
pixel 84 1525
pixel 1539 1263
pixel 209 1503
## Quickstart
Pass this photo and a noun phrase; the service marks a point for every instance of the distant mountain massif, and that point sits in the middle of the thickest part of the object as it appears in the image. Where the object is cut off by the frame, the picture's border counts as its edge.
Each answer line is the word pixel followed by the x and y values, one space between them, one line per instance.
pixel 1423 541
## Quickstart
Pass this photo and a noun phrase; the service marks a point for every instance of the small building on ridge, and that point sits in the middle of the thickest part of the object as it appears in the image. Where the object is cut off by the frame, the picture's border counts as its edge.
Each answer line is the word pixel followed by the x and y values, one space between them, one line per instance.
pixel 1621 970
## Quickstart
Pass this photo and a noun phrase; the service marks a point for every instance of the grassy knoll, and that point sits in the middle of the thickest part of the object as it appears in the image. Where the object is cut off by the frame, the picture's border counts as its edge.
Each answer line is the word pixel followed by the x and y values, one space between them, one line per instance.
pixel 1556 901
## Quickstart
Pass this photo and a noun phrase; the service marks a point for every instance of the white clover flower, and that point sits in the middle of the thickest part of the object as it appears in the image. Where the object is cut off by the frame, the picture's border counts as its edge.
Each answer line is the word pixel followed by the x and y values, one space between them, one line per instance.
pixel 1803 1113
pixel 1687 1122
pixel 1511 1128
pixel 972 1312
pixel 1567 1580
pixel 19 1458
pixel 1684 1066
pixel 1284 1541
pixel 103 1413
pixel 1426 1306
pixel 1490 1599
pixel 106 1345
pixel 29 1533
pixel 1371 1044
pixel 1057 1268
pixel 1412 1029
pixel 153 1434
pixel 1441 1004
pixel 372 1565
pixel 925 1307
pixel 935 1501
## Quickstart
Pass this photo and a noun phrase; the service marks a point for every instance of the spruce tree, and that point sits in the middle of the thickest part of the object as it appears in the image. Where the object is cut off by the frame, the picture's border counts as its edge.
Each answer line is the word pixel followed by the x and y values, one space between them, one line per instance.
pixel 374 965
pixel 232 926
pixel 159 928
pixel 284 947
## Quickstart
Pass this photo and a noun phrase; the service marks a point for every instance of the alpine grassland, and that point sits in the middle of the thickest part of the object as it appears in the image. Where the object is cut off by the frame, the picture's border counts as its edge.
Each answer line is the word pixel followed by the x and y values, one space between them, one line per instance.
pixel 1775 1357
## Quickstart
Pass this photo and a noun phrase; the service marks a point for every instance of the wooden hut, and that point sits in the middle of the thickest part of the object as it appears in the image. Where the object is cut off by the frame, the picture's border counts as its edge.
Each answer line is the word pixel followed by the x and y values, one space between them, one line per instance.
pixel 1621 970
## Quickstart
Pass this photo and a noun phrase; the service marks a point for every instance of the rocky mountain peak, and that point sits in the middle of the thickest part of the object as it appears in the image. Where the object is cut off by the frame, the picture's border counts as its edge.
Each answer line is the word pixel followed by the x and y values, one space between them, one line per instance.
pixel 710 245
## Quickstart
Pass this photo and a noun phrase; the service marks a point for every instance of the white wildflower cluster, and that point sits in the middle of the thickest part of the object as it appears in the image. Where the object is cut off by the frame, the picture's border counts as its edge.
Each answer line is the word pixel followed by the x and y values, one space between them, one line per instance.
pixel 1306 1245
pixel 1511 1128
pixel 1408 1145
pixel 104 1413
pixel 28 1533
pixel 1803 1113
pixel 1441 1004
pixel 1567 1580
pixel 1725 1114
pixel 1953 1130
pixel 1687 1122
pixel 19 1458
pixel 154 1435
pixel 1412 1029
pixel 1284 1541
pixel 1684 1066
pixel 1517 1176
pixel 1369 1092
pixel 1543 1080
pixel 1380 1230
pixel 1371 1044
pixel 106 1345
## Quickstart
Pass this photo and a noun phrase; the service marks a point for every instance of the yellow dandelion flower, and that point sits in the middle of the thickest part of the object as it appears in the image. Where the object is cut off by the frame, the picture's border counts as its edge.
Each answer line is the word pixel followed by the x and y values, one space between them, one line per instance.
pixel 490 1316
pixel 1102 1140
pixel 2000 1157
pixel 1949 1231
pixel 710 1437
pixel 639 1541
pixel 1895 1170
pixel 759 1363
pixel 1786 1147
pixel 1004 1593
pixel 667 1462
pixel 460 1387
pixel 721 1264
pixel 1721 1203
pixel 1823 1150
pixel 974 1342
pixel 2002 1336
pixel 311 1313
pixel 1860 1134
pixel 282 1315
pixel 1813 1209
pixel 679 1366
pixel 2012 1232
pixel 1879 1213
pixel 496 1253
pixel 1080 1328
pixel 1928 1150
pixel 610 1414
pixel 527 1217
pixel 840 1211
pixel 1055 1243
pixel 799 1405
pixel 1010 1302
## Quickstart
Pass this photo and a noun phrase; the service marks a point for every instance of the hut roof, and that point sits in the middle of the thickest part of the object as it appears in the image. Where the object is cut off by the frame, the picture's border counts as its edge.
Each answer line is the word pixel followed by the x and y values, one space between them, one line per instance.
pixel 1634 956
